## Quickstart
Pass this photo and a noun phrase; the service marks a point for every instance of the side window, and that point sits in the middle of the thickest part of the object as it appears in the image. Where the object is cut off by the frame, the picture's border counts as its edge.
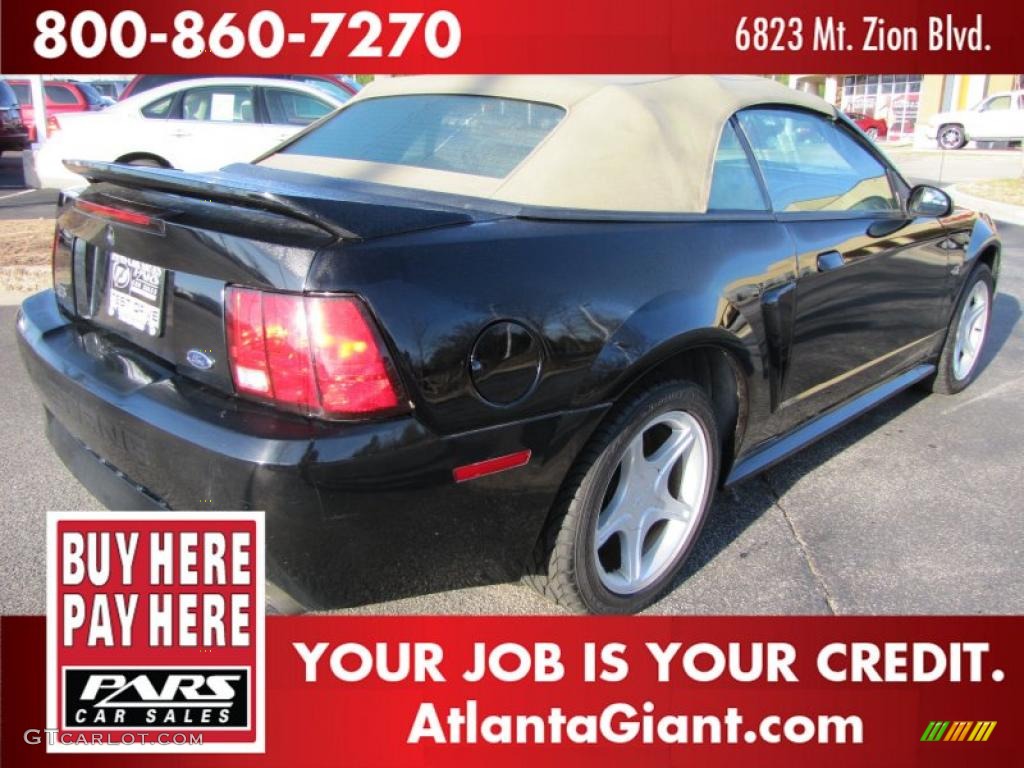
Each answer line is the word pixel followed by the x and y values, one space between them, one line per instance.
pixel 224 104
pixel 58 94
pixel 734 185
pixel 999 103
pixel 159 109
pixel 286 107
pixel 810 164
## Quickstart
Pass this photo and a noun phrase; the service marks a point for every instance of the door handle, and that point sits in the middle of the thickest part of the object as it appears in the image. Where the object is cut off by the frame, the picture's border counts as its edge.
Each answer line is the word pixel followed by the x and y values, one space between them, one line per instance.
pixel 830 260
pixel 180 134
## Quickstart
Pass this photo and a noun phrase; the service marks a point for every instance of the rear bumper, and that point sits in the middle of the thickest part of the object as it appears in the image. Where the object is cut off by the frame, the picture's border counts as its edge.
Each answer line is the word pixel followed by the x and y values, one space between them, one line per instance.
pixel 12 142
pixel 355 513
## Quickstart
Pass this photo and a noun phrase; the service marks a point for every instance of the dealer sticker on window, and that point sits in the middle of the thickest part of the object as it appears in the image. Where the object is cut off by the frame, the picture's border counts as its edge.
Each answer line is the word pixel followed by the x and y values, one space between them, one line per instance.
pixel 135 293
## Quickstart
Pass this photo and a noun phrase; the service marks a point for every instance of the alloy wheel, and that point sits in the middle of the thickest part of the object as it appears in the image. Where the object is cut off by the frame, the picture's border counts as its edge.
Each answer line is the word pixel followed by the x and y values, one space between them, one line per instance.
pixel 970 331
pixel 653 502
pixel 951 137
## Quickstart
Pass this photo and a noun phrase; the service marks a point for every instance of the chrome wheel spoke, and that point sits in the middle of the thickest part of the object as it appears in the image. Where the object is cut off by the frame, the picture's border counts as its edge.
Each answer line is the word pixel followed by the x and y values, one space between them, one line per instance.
pixel 632 555
pixel 975 314
pixel 675 511
pixel 609 524
pixel 679 441
pixel 970 345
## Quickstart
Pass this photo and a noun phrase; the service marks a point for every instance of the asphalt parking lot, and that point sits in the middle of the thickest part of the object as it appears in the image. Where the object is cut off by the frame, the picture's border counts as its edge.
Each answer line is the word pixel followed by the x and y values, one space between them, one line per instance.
pixel 17 201
pixel 913 508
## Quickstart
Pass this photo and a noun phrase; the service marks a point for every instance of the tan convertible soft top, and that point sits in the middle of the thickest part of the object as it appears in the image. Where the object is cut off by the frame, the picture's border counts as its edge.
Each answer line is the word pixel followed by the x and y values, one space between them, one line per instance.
pixel 643 144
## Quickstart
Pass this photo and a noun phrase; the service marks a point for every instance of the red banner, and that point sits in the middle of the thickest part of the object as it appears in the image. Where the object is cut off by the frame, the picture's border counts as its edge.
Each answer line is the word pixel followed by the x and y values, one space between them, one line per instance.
pixel 649 691
pixel 529 36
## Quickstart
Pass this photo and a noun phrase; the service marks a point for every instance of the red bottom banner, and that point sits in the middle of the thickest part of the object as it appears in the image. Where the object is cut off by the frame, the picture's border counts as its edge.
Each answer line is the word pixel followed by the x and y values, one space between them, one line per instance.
pixel 518 691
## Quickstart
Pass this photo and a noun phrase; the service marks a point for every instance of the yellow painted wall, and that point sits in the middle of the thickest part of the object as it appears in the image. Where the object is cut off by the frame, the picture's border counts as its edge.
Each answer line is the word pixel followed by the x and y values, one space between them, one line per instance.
pixel 997 83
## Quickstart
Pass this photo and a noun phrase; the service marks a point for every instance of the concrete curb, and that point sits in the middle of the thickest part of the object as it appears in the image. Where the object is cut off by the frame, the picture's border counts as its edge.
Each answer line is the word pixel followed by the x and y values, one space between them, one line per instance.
pixel 1005 212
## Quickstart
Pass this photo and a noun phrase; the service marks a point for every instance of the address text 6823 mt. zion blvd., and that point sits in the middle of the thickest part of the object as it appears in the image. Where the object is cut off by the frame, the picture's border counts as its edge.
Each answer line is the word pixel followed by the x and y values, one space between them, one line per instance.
pixel 947 32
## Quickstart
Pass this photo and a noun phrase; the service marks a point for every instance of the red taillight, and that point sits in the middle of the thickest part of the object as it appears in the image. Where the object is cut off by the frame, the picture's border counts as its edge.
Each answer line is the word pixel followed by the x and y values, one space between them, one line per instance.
pixel 319 354
pixel 350 370
pixel 247 349
pixel 52 125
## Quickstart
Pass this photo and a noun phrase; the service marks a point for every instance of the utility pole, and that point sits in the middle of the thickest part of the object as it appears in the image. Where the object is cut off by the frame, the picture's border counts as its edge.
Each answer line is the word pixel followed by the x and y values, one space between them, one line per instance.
pixel 28 157
pixel 38 106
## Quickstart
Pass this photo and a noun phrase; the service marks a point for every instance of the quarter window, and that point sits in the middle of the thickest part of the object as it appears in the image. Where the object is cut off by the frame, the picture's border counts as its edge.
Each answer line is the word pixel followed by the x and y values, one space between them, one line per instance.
pixel 287 107
pixel 229 104
pixel 810 164
pixel 159 109
pixel 734 186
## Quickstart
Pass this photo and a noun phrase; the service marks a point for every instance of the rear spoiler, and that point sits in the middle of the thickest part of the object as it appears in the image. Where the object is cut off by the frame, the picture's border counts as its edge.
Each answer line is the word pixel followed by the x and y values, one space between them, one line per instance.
pixel 347 209
pixel 202 187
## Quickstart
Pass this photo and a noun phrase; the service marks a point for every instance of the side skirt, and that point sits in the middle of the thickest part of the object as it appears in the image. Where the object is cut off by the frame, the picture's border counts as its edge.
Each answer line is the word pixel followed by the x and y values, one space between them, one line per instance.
pixel 785 446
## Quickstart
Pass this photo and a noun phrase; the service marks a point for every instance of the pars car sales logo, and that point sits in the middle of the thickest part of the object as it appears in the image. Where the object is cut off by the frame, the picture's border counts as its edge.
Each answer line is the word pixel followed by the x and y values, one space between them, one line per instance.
pixel 155 632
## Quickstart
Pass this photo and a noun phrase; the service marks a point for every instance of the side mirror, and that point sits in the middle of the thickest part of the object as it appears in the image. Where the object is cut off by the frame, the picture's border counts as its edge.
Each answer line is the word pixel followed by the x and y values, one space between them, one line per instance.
pixel 929 201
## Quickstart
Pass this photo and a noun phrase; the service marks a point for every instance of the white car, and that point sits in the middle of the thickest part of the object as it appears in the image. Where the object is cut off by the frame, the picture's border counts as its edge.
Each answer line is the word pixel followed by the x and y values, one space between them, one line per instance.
pixel 999 117
pixel 192 125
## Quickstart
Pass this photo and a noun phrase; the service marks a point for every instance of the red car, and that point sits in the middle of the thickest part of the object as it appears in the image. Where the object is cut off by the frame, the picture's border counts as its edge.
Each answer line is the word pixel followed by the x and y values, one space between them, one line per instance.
pixel 874 128
pixel 61 96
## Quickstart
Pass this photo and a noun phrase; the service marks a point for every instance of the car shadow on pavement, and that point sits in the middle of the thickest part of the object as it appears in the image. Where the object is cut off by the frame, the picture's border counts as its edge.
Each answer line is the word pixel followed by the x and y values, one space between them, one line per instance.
pixel 737 508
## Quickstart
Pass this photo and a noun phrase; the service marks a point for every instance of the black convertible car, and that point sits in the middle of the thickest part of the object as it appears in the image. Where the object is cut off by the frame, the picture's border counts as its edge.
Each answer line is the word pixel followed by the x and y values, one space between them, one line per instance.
pixel 468 328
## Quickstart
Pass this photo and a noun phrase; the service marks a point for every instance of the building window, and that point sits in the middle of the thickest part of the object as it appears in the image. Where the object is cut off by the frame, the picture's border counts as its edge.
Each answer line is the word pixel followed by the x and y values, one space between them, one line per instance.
pixel 892 98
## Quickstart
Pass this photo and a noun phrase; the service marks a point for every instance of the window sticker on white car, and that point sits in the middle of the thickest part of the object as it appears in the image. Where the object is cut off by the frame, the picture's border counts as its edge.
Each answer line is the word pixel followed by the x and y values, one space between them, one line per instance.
pixel 222 107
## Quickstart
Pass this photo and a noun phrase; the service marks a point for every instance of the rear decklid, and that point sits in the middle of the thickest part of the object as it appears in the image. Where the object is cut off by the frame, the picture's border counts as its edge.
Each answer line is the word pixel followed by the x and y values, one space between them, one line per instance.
pixel 144 255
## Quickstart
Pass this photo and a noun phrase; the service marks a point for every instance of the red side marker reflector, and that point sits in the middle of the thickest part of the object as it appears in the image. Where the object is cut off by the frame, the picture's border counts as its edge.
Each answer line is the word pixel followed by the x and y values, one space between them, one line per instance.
pixel 491 466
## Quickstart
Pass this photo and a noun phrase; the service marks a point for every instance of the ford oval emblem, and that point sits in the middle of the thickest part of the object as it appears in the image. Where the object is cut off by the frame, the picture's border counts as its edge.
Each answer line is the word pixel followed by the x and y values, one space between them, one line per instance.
pixel 199 359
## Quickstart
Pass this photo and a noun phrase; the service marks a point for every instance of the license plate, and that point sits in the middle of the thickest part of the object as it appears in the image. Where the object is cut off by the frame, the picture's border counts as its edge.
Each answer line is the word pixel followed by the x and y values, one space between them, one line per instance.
pixel 135 294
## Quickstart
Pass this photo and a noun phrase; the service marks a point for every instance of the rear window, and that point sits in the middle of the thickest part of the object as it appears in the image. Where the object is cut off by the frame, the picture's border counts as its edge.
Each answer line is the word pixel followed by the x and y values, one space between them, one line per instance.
pixel 7 95
pixel 477 135
pixel 24 93
pixel 60 94
pixel 326 86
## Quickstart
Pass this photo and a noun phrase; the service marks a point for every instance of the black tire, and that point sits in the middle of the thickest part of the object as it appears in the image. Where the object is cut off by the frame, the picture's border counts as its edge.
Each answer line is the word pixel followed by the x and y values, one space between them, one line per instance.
pixel 565 564
pixel 951 136
pixel 945 381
